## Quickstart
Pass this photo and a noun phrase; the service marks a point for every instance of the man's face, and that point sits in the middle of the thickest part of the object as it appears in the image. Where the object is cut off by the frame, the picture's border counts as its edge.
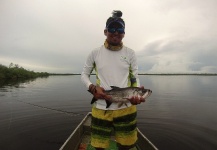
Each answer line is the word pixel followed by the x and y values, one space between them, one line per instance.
pixel 114 38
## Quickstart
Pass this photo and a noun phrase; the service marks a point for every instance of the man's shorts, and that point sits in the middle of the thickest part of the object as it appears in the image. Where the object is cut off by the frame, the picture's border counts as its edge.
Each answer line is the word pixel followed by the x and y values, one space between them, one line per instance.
pixel 123 121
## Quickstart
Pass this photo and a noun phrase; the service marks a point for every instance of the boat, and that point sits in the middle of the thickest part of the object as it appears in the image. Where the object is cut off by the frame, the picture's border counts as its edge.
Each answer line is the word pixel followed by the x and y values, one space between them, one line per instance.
pixel 80 138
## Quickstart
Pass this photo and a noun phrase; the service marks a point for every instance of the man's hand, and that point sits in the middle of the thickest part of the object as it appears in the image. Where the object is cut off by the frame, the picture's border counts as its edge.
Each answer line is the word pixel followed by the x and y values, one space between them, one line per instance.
pixel 137 100
pixel 98 92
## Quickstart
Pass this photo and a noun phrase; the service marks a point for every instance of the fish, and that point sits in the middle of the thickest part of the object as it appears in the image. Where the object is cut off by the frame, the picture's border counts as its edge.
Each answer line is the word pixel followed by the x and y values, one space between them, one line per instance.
pixel 122 95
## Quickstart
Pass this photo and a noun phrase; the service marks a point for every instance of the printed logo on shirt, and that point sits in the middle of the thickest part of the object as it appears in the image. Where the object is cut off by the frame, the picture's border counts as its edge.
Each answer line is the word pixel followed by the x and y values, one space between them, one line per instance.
pixel 124 59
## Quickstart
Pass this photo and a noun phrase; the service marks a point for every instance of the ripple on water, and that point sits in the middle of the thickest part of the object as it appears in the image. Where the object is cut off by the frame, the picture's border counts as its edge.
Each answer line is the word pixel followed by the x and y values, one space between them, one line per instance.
pixel 170 134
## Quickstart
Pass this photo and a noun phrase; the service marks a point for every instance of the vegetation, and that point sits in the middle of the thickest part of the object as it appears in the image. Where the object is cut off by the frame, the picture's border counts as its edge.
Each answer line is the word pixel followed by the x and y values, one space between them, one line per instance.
pixel 14 71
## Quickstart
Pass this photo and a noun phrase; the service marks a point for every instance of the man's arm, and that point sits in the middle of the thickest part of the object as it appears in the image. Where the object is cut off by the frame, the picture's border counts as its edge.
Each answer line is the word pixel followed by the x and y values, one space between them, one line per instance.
pixel 87 69
pixel 135 80
pixel 98 92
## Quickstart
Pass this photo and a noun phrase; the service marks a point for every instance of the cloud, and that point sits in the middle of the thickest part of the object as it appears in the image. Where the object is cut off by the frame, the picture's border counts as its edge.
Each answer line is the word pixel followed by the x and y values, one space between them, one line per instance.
pixel 179 56
pixel 56 36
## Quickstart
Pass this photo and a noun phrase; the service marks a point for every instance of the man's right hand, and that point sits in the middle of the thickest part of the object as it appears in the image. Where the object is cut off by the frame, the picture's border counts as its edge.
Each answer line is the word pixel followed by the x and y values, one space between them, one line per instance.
pixel 98 92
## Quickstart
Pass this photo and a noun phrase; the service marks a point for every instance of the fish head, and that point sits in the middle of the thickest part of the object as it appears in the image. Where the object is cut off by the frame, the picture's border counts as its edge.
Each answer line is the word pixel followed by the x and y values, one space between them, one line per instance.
pixel 142 92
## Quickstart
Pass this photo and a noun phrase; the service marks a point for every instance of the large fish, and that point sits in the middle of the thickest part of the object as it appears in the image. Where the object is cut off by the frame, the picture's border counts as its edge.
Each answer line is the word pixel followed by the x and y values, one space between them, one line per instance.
pixel 122 95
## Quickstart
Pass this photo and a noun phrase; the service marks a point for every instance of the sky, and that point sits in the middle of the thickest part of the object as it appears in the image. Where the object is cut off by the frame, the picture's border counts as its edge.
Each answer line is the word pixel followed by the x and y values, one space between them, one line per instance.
pixel 56 36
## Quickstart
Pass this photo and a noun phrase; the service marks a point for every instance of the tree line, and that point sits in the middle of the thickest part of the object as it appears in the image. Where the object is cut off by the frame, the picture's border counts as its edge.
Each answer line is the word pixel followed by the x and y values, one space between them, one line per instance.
pixel 14 71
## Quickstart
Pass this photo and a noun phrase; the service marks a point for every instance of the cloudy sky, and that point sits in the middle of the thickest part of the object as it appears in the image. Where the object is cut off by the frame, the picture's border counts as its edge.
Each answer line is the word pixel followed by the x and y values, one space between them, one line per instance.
pixel 169 36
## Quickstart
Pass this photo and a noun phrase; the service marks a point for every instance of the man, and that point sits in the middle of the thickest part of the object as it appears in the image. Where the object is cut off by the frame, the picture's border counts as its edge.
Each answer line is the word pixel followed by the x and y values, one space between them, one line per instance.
pixel 115 65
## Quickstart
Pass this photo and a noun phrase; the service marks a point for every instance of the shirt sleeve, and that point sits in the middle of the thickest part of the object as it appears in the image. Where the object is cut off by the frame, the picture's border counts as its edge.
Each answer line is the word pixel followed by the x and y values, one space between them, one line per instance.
pixel 87 69
pixel 134 77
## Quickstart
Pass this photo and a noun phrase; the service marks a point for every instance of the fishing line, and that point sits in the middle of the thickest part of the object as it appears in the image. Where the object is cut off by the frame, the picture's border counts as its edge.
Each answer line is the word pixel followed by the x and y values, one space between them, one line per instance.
pixel 52 109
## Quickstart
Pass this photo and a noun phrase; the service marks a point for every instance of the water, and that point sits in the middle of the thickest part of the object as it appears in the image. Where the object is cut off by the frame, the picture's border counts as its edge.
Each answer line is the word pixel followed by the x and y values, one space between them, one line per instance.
pixel 42 113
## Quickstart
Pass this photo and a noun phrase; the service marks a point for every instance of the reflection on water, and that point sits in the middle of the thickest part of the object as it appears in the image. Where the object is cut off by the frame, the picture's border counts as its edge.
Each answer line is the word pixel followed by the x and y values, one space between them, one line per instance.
pixel 16 82
pixel 42 113
pixel 7 84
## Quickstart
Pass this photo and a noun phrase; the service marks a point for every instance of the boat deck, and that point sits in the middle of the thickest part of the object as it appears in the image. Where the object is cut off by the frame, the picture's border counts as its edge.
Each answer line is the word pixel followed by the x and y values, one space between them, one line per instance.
pixel 80 139
pixel 85 144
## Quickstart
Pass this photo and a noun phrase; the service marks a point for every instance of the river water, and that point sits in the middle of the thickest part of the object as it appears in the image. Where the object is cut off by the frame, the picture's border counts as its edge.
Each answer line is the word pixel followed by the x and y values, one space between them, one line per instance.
pixel 40 114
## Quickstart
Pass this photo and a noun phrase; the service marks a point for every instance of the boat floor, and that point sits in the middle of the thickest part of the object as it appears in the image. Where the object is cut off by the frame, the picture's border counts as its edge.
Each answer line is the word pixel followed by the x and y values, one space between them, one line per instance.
pixel 85 143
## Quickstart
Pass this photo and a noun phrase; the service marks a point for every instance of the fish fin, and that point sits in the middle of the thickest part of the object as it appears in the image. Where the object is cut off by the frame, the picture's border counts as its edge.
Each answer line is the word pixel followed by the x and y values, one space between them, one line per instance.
pixel 93 100
pixel 108 103
pixel 120 104
pixel 114 87
pixel 105 112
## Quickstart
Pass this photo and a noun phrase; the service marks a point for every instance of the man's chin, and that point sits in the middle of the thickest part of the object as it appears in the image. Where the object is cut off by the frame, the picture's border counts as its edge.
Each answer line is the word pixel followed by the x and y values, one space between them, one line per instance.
pixel 115 43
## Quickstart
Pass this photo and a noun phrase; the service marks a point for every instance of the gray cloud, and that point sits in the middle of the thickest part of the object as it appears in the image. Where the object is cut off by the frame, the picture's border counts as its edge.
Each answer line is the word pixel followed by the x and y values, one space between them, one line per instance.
pixel 183 55
pixel 56 36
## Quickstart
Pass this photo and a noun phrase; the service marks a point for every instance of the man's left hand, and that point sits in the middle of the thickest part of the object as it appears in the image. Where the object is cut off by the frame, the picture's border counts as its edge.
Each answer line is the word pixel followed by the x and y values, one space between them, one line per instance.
pixel 137 100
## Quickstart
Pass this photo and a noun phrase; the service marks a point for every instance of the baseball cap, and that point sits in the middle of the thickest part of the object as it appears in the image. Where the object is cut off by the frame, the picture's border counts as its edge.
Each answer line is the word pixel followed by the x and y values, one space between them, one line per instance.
pixel 115 19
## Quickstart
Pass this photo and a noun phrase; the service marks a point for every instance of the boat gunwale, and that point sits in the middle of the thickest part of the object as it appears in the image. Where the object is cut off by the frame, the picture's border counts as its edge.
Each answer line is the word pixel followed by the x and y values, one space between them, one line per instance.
pixel 75 130
pixel 146 139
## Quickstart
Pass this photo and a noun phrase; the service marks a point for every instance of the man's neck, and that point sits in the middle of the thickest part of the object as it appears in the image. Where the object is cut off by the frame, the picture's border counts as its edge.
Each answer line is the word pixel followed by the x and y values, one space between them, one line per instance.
pixel 113 47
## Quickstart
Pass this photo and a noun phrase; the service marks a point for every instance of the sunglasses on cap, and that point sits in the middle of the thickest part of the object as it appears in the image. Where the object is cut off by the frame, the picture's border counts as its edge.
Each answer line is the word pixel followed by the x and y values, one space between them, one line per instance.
pixel 113 30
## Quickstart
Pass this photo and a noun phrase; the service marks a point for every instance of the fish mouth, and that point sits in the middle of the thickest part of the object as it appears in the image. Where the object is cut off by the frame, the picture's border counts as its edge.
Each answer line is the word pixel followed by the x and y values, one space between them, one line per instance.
pixel 146 94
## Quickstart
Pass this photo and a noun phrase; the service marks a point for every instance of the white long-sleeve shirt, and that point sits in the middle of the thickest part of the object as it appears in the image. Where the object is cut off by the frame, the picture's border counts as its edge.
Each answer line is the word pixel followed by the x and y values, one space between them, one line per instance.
pixel 113 68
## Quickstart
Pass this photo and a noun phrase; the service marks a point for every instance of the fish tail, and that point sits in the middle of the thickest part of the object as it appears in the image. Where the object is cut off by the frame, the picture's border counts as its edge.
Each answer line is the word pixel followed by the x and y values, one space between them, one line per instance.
pixel 120 104
pixel 108 103
pixel 93 100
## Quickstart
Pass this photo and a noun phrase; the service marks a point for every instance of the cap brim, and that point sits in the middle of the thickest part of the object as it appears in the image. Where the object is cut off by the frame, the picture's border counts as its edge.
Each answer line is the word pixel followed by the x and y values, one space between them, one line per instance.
pixel 116 22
